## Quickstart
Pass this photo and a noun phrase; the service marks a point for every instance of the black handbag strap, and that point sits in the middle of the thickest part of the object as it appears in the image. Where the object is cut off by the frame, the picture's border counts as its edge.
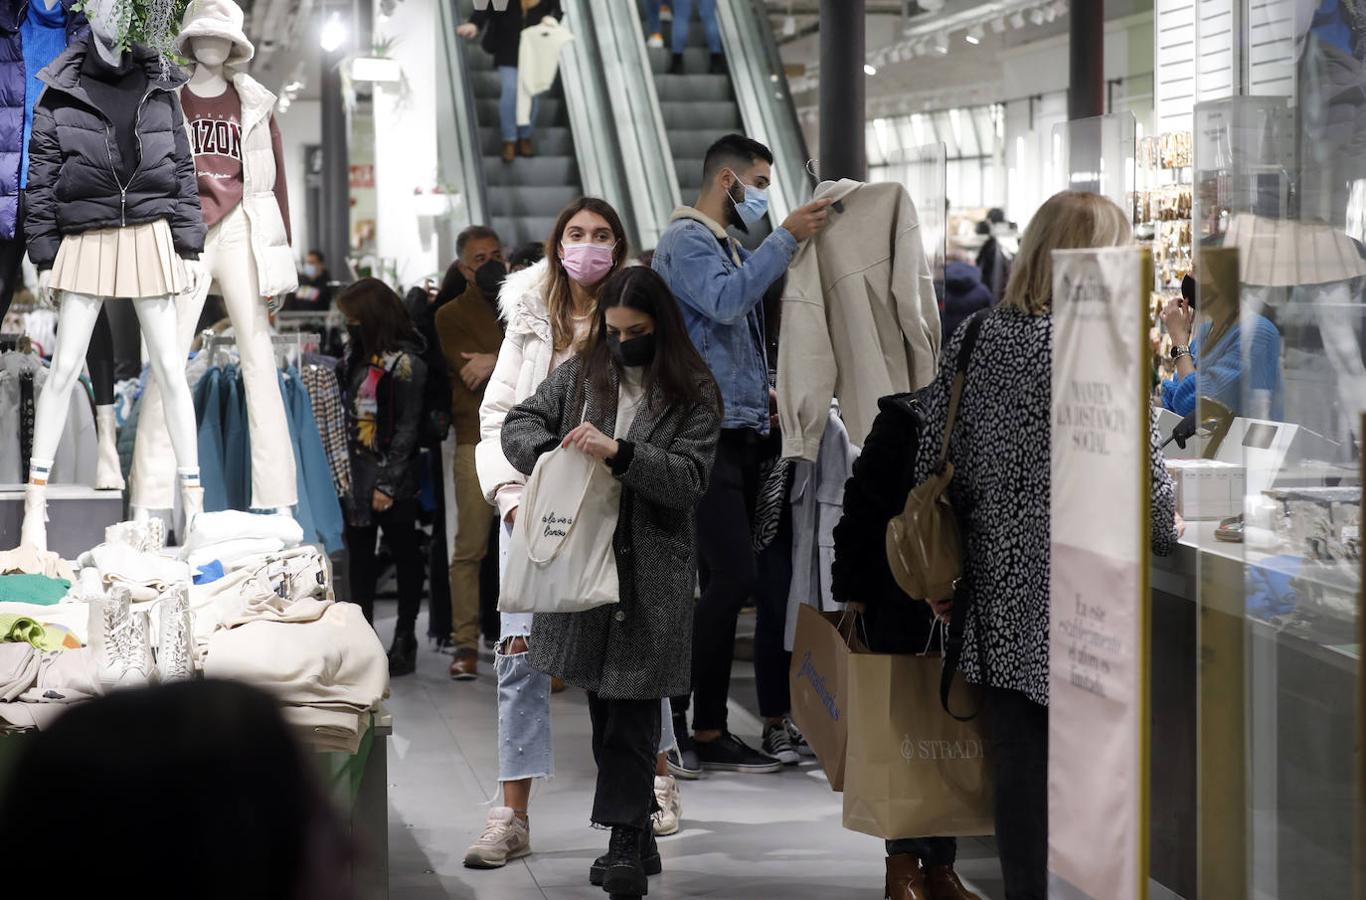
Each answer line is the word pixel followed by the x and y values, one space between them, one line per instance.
pixel 962 600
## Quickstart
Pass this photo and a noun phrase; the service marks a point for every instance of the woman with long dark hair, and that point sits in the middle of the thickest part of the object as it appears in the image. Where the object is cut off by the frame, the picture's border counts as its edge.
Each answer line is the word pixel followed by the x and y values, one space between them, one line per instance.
pixel 642 402
pixel 548 309
pixel 384 379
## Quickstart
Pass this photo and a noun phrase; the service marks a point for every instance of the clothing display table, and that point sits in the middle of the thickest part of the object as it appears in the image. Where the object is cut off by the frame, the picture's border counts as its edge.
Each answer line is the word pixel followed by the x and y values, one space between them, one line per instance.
pixel 360 789
pixel 77 516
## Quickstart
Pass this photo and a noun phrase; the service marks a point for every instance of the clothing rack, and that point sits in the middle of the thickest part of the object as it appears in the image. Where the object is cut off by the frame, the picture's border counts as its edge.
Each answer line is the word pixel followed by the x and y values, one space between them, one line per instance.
pixel 298 342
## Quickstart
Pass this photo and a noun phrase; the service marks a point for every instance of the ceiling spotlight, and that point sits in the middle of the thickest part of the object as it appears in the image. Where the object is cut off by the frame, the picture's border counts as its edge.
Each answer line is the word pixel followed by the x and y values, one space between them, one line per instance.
pixel 1017 20
pixel 1036 16
pixel 941 43
pixel 869 70
pixel 998 25
pixel 333 34
pixel 974 35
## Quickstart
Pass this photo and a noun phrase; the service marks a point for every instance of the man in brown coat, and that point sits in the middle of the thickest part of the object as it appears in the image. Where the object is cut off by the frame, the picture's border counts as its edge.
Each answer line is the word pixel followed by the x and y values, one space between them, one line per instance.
pixel 470 335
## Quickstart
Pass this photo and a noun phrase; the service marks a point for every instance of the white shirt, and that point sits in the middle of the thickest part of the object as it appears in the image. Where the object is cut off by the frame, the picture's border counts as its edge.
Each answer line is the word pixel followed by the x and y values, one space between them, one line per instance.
pixel 629 397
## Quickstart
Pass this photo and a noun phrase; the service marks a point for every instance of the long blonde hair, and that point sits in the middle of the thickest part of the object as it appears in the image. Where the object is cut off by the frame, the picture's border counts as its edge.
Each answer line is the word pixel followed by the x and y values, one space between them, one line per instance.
pixel 1068 221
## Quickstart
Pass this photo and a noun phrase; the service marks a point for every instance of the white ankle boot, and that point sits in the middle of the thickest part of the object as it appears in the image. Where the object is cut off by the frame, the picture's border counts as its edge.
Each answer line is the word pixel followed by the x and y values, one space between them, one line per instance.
pixel 122 640
pixel 108 470
pixel 192 503
pixel 33 533
pixel 175 636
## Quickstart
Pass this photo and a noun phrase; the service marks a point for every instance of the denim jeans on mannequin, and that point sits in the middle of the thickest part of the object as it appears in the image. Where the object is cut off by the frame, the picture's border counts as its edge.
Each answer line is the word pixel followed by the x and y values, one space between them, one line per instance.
pixel 683 20
pixel 507 107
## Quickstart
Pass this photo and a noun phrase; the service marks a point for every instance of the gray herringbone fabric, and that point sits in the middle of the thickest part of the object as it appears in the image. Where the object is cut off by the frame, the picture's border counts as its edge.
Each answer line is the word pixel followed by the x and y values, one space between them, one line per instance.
pixel 640 648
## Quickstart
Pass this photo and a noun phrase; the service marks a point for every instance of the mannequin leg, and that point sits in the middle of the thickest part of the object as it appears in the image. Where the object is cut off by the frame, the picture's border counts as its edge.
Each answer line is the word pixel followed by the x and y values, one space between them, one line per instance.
pixel 75 323
pixel 99 359
pixel 273 478
pixel 157 316
pixel 153 486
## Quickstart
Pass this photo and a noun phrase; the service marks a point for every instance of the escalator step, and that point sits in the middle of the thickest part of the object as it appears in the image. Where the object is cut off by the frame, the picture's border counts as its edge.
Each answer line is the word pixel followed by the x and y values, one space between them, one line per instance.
pixel 723 116
pixel 552 112
pixel 515 231
pixel 696 61
pixel 693 144
pixel 486 85
pixel 540 171
pixel 555 141
pixel 694 89
pixel 528 201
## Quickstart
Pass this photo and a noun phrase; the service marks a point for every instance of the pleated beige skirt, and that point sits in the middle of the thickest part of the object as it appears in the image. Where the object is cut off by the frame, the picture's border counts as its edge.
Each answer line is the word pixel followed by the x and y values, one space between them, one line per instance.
pixel 124 263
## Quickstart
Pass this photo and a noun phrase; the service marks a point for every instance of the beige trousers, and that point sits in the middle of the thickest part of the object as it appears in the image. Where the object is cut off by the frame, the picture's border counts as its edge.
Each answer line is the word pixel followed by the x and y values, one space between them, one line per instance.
pixel 229 260
pixel 474 519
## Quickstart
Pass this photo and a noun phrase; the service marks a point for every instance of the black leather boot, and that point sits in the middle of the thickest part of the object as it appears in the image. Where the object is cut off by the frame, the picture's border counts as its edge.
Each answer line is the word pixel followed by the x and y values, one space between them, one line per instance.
pixel 624 875
pixel 649 859
pixel 403 654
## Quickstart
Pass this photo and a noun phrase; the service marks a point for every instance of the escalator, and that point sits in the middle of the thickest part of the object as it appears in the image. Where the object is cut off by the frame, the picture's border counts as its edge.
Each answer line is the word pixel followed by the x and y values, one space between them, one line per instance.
pixel 524 196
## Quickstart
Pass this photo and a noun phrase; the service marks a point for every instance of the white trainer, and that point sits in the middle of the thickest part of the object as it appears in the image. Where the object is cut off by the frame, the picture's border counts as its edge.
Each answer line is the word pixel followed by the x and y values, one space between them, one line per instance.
pixel 108 629
pixel 175 653
pixel 137 646
pixel 670 800
pixel 505 838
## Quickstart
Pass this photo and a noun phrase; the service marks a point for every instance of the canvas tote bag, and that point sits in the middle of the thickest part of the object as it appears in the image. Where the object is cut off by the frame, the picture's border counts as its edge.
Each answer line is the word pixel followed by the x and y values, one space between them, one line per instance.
pixel 560 557
pixel 912 770
pixel 819 682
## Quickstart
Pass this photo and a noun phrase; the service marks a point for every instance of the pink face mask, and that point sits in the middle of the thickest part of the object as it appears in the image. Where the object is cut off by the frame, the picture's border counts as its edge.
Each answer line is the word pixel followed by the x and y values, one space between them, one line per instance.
pixel 588 263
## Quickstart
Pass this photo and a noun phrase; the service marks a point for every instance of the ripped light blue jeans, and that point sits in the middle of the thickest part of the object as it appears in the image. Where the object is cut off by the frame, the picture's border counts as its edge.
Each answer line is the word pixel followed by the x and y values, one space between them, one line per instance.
pixel 524 742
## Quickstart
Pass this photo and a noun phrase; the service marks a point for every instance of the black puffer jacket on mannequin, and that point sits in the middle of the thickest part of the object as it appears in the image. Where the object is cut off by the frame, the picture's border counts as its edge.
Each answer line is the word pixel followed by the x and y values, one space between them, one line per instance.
pixel 883 476
pixel 73 183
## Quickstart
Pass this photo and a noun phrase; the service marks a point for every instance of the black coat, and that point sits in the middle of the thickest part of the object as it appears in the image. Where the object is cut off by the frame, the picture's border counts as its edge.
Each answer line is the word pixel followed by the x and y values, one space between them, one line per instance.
pixel 883 476
pixel 503 30
pixel 641 648
pixel 390 466
pixel 72 184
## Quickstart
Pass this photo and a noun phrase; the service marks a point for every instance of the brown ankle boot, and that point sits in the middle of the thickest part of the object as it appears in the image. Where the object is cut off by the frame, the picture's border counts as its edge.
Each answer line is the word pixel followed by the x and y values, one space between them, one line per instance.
pixel 525 148
pixel 906 878
pixel 509 151
pixel 944 884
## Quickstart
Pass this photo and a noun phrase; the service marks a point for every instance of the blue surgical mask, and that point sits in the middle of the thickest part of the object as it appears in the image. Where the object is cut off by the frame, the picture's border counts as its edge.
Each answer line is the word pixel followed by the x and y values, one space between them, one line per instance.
pixel 754 207
pixel 310 270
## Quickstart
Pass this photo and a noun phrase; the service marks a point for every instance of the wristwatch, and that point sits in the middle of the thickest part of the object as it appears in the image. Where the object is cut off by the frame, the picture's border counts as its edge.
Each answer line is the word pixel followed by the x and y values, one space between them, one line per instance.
pixel 1180 350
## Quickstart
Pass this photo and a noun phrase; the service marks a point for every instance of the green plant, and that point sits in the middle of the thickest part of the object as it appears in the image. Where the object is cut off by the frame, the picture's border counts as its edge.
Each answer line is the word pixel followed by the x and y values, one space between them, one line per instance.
pixel 152 23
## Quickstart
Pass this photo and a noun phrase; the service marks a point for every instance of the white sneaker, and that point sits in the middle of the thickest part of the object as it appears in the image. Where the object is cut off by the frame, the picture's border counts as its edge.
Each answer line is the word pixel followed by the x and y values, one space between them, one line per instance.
pixel 670 800
pixel 175 653
pixel 108 628
pixel 505 837
pixel 137 646
pixel 656 42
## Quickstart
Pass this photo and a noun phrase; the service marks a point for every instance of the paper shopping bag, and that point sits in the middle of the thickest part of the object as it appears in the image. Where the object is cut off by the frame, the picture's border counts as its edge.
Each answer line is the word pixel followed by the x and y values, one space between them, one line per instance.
pixel 911 769
pixel 820 654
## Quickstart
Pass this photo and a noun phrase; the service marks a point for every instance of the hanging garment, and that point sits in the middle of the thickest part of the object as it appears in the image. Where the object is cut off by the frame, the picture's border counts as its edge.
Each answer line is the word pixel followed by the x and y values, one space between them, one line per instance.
pixel 28 414
pixel 324 393
pixel 538 63
pixel 78 451
pixel 860 317
pixel 209 410
pixel 817 504
pixel 319 510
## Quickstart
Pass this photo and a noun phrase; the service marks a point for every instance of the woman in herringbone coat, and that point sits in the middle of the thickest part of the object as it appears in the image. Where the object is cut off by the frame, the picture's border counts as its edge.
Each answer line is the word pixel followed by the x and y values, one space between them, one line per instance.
pixel 641 401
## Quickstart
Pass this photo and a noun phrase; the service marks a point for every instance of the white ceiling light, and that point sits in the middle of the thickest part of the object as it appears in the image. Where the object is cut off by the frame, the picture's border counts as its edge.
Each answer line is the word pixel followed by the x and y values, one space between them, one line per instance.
pixel 974 35
pixel 333 34
pixel 869 70
pixel 789 26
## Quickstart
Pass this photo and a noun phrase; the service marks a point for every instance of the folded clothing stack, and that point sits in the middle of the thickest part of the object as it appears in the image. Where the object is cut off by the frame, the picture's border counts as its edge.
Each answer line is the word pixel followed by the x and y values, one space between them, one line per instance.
pixel 35 687
pixel 33 576
pixel 229 536
pixel 292 585
pixel 145 574
pixel 330 672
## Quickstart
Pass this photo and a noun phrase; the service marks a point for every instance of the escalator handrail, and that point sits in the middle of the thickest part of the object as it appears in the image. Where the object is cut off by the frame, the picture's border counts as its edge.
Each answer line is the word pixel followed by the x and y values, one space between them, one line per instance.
pixel 467 134
pixel 765 100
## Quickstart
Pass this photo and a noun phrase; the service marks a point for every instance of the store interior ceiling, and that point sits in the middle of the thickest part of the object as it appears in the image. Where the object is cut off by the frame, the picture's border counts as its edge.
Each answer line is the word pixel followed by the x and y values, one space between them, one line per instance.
pixel 926 54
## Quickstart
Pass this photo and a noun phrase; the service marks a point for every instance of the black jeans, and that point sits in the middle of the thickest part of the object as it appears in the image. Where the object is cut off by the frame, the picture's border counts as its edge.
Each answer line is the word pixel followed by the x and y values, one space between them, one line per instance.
pixel 728 573
pixel 400 528
pixel 1019 739
pixel 625 737
pixel 933 851
pixel 771 658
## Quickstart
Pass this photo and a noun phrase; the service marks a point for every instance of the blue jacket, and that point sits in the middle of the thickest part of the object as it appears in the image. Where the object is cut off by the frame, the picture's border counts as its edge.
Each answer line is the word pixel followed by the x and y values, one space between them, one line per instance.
pixel 1220 373
pixel 963 294
pixel 720 288
pixel 17 99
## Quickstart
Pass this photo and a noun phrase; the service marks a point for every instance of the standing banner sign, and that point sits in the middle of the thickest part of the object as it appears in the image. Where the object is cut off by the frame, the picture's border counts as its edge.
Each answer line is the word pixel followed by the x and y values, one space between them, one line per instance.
pixel 1097 753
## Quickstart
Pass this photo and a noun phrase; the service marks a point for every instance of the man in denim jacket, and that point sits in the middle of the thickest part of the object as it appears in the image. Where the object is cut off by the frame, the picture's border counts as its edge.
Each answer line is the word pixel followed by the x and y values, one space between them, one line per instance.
pixel 720 288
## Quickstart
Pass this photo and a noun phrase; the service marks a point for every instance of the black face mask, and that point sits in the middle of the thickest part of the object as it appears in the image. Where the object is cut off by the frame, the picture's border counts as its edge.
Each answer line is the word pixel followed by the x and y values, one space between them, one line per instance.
pixel 634 353
pixel 489 278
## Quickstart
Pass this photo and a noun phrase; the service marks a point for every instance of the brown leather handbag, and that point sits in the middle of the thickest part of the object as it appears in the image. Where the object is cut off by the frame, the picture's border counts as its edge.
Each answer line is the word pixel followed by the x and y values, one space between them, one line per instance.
pixel 924 545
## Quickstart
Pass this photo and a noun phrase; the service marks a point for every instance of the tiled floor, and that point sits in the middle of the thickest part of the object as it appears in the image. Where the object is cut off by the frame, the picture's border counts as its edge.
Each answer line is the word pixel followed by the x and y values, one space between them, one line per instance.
pixel 744 837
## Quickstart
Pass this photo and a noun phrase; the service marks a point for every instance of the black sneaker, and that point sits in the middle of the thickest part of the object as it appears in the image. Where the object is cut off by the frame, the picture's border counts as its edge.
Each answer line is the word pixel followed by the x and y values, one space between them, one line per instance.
pixel 677 67
pixel 682 759
pixel 718 65
pixel 623 872
pixel 649 860
pixel 799 740
pixel 730 754
pixel 403 654
pixel 778 744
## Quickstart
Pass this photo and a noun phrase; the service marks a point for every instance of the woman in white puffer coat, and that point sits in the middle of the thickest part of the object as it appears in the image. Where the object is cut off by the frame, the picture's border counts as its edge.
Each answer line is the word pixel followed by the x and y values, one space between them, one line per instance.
pixel 548 310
